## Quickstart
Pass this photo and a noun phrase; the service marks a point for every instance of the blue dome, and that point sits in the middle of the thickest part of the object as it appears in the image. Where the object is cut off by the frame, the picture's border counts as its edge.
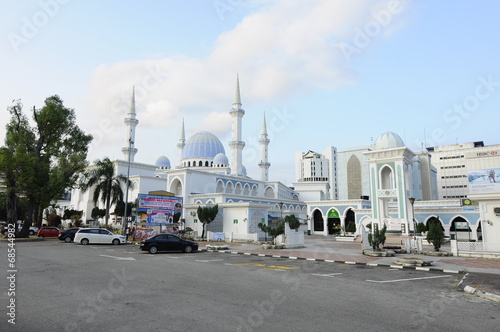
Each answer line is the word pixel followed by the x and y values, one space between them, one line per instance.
pixel 221 158
pixel 162 162
pixel 202 145
pixel 243 170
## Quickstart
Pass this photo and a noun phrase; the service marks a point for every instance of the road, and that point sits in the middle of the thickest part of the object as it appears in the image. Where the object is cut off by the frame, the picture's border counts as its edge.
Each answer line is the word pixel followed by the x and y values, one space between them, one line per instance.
pixel 69 287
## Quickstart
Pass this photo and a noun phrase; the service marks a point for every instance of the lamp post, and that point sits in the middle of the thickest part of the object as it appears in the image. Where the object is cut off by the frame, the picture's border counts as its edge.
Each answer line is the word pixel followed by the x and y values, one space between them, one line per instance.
pixel 125 221
pixel 281 217
pixel 412 201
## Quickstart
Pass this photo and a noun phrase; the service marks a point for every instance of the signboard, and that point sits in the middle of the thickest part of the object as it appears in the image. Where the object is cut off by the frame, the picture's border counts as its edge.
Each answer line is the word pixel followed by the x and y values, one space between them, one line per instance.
pixel 333 213
pixel 144 233
pixel 461 225
pixel 160 210
pixel 469 202
pixel 484 181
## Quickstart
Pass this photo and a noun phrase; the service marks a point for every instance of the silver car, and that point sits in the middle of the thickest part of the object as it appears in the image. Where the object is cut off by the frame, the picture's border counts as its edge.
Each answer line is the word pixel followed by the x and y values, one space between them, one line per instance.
pixel 98 235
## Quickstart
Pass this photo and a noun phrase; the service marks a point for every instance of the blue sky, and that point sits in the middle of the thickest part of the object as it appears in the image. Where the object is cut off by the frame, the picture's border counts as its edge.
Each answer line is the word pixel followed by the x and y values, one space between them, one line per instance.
pixel 324 72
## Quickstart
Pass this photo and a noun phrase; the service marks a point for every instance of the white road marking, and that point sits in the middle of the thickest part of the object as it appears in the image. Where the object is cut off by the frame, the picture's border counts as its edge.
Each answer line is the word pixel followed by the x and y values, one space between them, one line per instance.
pixel 409 279
pixel 208 260
pixel 120 258
pixel 326 275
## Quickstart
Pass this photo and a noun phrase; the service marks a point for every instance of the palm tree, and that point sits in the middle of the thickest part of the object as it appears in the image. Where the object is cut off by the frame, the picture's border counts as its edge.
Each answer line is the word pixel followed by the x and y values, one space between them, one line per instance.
pixel 108 187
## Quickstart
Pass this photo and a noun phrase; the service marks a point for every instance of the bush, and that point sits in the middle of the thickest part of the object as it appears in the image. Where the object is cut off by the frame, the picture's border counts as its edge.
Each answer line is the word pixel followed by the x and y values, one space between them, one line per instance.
pixel 435 235
pixel 421 227
pixel 351 227
pixel 377 238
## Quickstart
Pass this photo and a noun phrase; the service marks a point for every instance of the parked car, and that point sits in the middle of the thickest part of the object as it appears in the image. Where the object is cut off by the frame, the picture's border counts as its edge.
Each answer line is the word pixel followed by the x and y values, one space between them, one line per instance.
pixel 98 235
pixel 69 234
pixel 33 230
pixel 48 231
pixel 167 242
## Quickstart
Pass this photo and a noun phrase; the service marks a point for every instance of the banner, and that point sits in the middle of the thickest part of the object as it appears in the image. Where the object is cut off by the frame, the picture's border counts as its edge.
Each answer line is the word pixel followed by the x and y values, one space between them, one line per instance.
pixel 484 181
pixel 159 210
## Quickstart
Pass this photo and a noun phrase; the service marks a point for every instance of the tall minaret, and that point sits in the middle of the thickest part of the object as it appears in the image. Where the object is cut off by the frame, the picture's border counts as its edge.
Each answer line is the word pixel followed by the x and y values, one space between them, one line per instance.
pixel 130 122
pixel 236 144
pixel 264 143
pixel 181 144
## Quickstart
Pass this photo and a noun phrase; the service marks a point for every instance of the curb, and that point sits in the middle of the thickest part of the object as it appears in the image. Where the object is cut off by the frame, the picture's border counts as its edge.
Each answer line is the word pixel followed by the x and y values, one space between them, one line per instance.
pixel 477 292
pixel 417 268
pixel 22 239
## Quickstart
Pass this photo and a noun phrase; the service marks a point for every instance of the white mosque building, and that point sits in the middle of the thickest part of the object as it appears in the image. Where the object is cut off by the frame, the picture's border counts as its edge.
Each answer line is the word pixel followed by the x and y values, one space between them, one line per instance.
pixel 205 175
pixel 384 183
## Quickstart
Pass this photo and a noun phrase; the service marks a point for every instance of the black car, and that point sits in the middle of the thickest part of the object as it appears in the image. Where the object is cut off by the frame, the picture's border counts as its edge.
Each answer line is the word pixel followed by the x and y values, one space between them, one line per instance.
pixel 68 235
pixel 167 242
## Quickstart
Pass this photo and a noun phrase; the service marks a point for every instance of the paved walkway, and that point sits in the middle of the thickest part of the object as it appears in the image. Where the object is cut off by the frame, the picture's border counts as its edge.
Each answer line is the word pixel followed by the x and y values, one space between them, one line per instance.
pixel 481 275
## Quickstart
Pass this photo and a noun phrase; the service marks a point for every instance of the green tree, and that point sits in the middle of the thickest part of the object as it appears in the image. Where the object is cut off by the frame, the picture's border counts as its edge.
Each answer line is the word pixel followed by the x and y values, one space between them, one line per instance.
pixel 97 213
pixel 292 221
pixel 351 227
pixel 206 215
pixel 41 162
pixel 108 186
pixel 435 235
pixel 377 237
pixel 421 227
pixel 274 232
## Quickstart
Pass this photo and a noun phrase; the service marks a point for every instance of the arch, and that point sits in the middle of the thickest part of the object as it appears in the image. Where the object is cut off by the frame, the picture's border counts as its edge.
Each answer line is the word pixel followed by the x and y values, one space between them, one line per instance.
pixel 229 187
pixel 176 187
pixel 386 178
pixel 354 178
pixel 246 189
pixel 295 197
pixel 206 163
pixel 210 202
pixel 318 222
pixel 254 190
pixel 349 216
pixel 198 202
pixel 200 163
pixel 269 192
pixel 333 221
pixel 220 187
pixel 253 226
pixel 237 189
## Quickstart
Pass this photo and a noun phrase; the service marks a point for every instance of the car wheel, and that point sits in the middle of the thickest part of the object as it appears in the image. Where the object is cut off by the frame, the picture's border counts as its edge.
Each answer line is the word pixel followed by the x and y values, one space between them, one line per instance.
pixel 84 241
pixel 32 233
pixel 188 249
pixel 116 242
pixel 153 250
pixel 67 239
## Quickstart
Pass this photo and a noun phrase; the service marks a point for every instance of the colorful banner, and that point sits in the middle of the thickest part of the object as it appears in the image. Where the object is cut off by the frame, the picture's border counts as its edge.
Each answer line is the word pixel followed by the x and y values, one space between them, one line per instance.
pixel 159 210
pixel 484 181
pixel 144 233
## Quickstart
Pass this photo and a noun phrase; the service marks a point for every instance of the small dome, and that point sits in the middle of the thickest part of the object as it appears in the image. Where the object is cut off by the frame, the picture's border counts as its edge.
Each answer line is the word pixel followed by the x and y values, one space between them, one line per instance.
pixel 388 140
pixel 221 158
pixel 163 162
pixel 243 170
pixel 202 145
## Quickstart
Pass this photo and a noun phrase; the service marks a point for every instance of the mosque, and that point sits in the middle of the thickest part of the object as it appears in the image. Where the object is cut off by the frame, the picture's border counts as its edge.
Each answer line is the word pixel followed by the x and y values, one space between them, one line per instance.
pixel 384 183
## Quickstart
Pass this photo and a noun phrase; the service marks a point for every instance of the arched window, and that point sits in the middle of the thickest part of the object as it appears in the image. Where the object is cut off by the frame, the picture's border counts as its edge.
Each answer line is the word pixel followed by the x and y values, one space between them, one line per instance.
pixel 386 178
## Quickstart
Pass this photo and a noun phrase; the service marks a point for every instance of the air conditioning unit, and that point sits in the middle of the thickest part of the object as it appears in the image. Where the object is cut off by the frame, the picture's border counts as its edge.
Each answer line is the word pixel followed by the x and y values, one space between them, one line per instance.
pixel 497 211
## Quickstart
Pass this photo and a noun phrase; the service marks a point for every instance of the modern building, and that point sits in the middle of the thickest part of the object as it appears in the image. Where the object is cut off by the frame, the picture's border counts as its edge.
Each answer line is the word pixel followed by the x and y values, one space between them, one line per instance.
pixel 453 162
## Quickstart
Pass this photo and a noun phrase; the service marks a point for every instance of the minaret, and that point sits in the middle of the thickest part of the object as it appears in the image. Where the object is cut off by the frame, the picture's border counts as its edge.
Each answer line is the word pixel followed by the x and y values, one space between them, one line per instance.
pixel 181 144
pixel 236 143
pixel 130 122
pixel 264 143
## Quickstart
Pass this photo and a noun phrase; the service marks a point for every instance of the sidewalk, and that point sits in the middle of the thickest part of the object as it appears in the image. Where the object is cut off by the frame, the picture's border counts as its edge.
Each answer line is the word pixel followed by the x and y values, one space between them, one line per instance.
pixel 481 275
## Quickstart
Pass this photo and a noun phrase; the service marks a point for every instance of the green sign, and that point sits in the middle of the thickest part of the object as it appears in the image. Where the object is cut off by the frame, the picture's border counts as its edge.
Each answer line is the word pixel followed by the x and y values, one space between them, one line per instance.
pixel 333 213
pixel 235 221
pixel 195 221
pixel 468 202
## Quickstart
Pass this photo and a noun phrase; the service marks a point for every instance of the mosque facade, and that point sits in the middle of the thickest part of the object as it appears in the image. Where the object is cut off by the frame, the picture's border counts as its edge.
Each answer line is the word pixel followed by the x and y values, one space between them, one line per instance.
pixel 383 183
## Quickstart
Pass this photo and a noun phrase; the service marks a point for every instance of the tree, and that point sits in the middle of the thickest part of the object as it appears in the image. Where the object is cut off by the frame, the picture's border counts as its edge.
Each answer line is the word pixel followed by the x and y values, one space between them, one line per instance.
pixel 377 238
pixel 351 227
pixel 41 162
pixel 206 215
pixel 421 227
pixel 292 221
pixel 274 232
pixel 108 187
pixel 97 213
pixel 435 235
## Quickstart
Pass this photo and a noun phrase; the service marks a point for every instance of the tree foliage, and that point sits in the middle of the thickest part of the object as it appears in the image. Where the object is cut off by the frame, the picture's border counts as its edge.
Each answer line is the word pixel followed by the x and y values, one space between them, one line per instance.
pixel 41 162
pixel 351 227
pixel 292 221
pixel 206 215
pixel 377 237
pixel 435 235
pixel 107 186
pixel 274 232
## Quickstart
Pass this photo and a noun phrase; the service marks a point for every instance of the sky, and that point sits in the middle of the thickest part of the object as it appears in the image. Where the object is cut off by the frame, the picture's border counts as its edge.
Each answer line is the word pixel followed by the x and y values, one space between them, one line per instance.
pixel 324 72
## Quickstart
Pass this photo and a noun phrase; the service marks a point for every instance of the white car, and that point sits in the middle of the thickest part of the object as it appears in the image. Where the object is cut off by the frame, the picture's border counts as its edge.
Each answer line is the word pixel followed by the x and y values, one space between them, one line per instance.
pixel 98 235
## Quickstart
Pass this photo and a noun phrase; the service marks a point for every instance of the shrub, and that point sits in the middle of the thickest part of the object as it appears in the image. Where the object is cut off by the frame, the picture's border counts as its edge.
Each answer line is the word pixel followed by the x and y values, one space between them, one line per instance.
pixel 421 227
pixel 435 235
pixel 351 227
pixel 377 238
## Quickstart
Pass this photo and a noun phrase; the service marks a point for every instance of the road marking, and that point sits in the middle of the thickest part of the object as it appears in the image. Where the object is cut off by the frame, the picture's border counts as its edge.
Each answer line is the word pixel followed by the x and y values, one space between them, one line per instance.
pixel 110 249
pixel 393 269
pixel 409 279
pixel 120 258
pixel 208 260
pixel 326 275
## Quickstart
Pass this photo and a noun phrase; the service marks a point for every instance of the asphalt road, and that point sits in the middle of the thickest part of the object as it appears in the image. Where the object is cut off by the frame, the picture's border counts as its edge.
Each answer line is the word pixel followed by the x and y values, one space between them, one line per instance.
pixel 69 287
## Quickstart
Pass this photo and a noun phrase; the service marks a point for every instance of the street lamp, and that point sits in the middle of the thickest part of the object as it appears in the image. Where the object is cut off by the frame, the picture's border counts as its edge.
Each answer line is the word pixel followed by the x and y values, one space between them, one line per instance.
pixel 412 201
